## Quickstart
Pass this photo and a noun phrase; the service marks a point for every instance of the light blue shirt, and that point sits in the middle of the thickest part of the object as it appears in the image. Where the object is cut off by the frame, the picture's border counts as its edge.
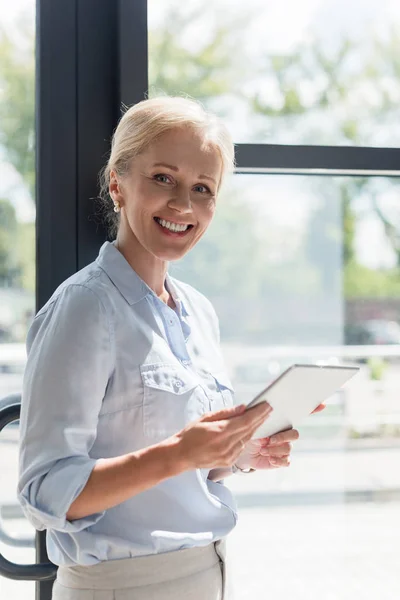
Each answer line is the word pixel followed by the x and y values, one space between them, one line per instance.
pixel 112 369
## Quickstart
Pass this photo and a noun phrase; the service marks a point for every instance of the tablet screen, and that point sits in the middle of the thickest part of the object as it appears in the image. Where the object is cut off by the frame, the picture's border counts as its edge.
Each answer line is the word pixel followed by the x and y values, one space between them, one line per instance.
pixel 297 392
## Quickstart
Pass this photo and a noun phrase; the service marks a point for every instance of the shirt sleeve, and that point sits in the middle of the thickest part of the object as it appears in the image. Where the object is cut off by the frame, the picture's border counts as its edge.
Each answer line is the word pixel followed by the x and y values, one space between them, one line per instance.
pixel 65 379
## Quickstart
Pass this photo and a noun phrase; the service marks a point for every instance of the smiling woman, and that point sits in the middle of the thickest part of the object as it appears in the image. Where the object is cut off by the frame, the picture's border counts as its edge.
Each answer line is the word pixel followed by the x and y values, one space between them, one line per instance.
pixel 128 426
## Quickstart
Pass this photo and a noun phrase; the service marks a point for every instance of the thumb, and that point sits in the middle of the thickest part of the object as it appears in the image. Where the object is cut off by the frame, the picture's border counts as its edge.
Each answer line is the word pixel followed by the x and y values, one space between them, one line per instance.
pixel 225 413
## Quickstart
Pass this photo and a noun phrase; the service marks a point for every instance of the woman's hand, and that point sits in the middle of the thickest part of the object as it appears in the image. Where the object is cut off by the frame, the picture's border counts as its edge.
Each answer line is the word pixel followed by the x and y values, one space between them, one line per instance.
pixel 218 438
pixel 268 453
pixel 271 452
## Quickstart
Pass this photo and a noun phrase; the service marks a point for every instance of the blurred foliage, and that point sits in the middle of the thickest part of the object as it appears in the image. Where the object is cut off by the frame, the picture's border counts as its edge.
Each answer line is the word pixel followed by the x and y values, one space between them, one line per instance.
pixel 26 253
pixel 377 367
pixel 10 267
pixel 339 84
pixel 212 69
pixel 205 71
pixel 360 281
pixel 17 103
pixel 17 146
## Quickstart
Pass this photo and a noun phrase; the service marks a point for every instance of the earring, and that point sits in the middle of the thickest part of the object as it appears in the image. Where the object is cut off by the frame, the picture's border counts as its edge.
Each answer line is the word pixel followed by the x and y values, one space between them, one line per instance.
pixel 117 207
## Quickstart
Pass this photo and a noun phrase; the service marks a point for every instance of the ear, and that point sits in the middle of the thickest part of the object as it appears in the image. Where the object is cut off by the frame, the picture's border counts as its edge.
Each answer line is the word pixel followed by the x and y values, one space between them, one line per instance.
pixel 114 187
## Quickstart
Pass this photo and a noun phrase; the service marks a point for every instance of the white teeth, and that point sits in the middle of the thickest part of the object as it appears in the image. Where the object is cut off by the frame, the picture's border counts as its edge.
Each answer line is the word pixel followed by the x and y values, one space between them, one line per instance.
pixel 171 226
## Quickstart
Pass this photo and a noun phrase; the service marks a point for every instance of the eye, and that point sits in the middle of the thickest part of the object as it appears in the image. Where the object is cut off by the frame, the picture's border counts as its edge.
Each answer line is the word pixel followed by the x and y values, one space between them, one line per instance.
pixel 156 177
pixel 207 189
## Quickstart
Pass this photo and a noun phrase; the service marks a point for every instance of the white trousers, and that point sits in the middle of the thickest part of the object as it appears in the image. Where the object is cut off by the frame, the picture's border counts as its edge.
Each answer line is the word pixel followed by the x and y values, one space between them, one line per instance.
pixel 190 574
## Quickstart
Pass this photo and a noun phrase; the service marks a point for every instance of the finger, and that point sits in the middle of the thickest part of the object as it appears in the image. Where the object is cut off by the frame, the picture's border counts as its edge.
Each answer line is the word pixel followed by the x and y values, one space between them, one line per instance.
pixel 290 435
pixel 319 408
pixel 264 441
pixel 236 411
pixel 248 434
pixel 253 417
pixel 280 461
pixel 251 427
pixel 281 450
pixel 257 407
pixel 239 429
pixel 225 413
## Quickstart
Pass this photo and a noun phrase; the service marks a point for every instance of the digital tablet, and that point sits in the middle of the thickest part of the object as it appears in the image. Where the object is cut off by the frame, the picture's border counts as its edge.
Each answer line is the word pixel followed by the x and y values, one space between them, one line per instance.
pixel 297 392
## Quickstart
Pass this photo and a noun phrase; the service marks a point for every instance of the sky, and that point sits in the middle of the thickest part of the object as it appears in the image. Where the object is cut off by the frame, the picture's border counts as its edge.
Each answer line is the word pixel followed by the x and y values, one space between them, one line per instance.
pixel 280 26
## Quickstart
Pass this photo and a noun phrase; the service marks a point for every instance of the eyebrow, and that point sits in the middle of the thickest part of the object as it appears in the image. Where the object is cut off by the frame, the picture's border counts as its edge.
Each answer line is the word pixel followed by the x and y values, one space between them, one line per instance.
pixel 173 168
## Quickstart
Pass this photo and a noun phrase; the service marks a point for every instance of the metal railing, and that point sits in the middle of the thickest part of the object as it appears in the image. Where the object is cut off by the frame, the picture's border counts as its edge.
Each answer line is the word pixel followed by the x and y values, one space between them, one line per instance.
pixel 10 408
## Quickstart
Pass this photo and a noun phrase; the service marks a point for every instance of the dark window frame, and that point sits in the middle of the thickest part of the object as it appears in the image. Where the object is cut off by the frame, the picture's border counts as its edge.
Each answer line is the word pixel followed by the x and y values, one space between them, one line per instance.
pixel 318 160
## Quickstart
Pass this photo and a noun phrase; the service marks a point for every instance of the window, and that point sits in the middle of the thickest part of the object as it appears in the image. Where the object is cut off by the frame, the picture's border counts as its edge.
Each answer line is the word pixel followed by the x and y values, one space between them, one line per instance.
pixel 305 268
pixel 17 259
pixel 288 72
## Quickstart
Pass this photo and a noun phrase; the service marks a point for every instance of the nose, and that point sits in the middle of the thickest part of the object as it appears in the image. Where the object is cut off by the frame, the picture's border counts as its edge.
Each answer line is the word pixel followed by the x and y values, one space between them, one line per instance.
pixel 181 202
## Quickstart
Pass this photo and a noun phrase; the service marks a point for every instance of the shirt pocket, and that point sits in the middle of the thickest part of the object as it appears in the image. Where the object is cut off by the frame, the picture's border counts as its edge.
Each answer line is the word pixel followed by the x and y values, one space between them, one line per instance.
pixel 172 398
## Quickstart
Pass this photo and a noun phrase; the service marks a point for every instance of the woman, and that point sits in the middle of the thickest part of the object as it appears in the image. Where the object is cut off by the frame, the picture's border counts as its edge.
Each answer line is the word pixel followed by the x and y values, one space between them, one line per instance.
pixel 127 425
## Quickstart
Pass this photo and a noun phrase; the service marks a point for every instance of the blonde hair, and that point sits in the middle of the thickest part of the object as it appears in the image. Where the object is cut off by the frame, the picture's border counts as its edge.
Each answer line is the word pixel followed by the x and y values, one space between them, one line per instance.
pixel 142 123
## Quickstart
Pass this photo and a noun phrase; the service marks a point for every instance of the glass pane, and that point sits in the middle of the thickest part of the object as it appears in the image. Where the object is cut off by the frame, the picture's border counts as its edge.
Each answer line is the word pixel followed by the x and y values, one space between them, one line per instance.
pixel 307 270
pixel 17 260
pixel 284 72
pixel 17 536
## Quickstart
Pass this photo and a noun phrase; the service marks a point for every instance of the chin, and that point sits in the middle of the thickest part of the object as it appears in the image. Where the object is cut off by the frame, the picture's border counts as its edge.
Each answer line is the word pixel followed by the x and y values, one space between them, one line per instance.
pixel 170 254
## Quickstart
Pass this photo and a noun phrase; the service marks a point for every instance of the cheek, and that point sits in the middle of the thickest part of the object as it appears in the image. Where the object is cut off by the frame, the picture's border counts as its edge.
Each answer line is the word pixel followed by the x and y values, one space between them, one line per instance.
pixel 209 212
pixel 205 208
pixel 205 217
pixel 142 201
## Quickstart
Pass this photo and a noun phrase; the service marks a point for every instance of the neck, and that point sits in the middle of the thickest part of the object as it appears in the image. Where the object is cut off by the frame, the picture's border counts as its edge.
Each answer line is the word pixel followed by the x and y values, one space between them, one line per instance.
pixel 149 268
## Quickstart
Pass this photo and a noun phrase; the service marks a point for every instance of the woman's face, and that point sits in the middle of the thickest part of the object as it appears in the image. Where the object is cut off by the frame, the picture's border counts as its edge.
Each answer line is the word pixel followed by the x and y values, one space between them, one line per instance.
pixel 175 180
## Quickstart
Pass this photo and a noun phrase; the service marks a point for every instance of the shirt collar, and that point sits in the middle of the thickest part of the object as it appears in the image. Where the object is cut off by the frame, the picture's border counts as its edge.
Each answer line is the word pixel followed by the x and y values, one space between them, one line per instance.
pixel 125 278
pixel 171 288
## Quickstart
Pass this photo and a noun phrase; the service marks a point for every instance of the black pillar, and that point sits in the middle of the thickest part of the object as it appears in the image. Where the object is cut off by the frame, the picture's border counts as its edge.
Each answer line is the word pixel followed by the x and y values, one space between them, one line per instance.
pixel 91 57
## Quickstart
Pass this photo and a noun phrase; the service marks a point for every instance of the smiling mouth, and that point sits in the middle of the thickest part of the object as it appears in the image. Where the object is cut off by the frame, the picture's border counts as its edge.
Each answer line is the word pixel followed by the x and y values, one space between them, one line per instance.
pixel 172 232
pixel 173 222
pixel 188 225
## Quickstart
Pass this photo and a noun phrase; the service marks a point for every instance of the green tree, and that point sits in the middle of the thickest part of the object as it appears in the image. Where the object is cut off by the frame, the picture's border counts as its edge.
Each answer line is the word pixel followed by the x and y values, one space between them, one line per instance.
pixel 26 253
pixel 211 68
pixel 205 70
pixel 17 104
pixel 10 268
pixel 17 141
pixel 175 68
pixel 333 102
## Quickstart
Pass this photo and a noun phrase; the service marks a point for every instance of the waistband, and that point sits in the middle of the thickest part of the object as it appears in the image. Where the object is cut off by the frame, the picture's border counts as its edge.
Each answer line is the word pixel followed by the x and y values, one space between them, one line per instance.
pixel 142 570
